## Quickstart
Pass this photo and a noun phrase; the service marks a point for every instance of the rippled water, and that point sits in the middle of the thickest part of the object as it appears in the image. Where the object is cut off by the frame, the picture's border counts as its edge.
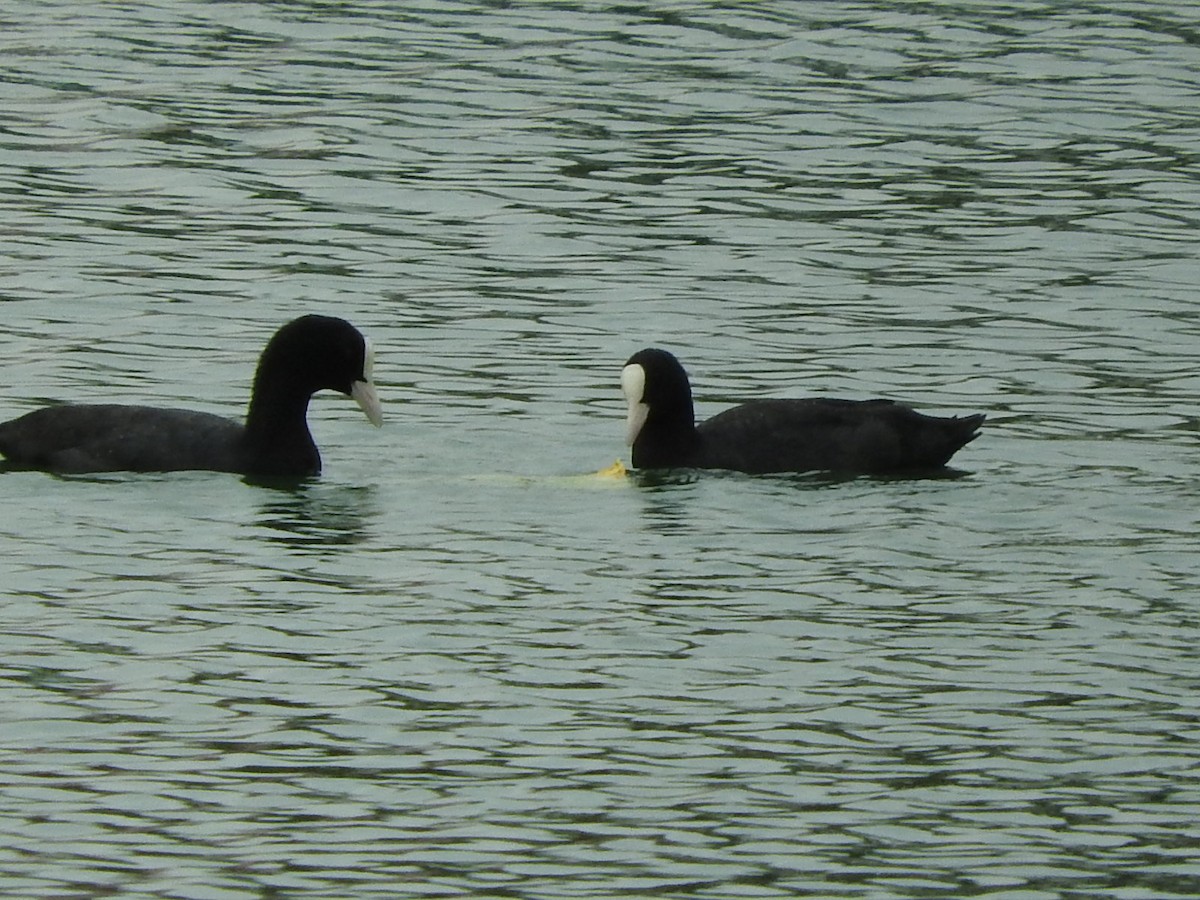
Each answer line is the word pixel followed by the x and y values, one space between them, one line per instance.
pixel 458 664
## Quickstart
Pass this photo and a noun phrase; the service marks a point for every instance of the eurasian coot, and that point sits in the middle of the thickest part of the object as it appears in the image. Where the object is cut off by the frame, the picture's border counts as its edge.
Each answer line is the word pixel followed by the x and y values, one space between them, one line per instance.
pixel 306 355
pixel 852 436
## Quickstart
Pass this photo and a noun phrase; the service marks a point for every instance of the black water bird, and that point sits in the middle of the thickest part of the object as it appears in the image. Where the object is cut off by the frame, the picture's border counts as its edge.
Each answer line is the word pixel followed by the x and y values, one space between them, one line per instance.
pixel 764 436
pixel 306 355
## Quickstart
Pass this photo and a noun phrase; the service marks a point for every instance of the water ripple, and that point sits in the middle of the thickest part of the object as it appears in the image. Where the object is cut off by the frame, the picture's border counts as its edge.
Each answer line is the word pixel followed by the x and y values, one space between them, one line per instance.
pixel 457 664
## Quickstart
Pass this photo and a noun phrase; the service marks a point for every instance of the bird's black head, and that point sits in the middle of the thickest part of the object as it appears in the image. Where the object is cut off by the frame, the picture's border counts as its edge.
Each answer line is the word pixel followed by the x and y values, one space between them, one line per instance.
pixel 314 353
pixel 659 396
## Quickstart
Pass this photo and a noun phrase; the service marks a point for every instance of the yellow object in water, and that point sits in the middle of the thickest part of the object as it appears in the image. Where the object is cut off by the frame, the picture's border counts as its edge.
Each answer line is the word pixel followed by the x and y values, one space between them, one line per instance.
pixel 616 470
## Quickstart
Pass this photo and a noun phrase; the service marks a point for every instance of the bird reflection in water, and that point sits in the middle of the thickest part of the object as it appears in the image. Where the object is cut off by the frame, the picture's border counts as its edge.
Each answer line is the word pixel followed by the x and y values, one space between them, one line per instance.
pixel 311 515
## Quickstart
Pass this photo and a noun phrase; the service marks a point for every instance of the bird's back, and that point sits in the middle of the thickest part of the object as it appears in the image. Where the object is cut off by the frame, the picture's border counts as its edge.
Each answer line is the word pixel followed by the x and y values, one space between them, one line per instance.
pixel 107 437
pixel 827 434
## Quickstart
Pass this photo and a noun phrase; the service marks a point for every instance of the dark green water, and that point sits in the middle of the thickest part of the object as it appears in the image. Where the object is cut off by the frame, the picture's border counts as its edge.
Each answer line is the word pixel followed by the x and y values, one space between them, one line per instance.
pixel 457 665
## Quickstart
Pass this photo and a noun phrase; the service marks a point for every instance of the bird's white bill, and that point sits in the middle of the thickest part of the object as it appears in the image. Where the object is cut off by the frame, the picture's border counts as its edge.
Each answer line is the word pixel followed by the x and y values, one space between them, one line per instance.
pixel 633 386
pixel 363 392
pixel 368 360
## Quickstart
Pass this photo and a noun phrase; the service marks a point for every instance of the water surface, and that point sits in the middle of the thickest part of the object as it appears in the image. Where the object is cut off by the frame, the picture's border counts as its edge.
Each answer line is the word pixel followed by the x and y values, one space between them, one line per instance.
pixel 456 664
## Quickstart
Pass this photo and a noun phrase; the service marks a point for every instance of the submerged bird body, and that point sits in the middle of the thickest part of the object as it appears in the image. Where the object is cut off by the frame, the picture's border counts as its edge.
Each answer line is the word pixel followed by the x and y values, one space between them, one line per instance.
pixel 306 355
pixel 766 436
pixel 112 438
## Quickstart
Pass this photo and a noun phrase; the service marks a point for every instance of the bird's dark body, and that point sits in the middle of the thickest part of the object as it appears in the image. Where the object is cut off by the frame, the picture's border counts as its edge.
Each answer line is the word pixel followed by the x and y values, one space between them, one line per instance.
pixel 117 438
pixel 306 355
pixel 769 436
pixel 766 436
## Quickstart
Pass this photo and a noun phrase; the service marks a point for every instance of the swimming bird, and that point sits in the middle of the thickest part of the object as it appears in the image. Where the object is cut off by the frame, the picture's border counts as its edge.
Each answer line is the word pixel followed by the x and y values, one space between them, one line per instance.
pixel 306 355
pixel 763 436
